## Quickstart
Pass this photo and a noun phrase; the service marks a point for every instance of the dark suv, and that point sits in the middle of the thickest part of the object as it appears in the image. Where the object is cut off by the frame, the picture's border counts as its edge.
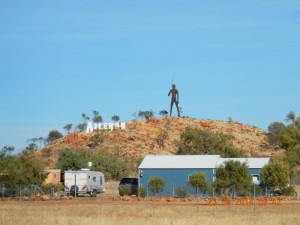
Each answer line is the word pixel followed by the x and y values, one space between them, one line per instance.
pixel 128 186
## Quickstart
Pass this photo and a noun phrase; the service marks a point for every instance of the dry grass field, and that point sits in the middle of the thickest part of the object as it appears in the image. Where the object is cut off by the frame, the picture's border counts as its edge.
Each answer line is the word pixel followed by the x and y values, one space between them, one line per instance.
pixel 79 212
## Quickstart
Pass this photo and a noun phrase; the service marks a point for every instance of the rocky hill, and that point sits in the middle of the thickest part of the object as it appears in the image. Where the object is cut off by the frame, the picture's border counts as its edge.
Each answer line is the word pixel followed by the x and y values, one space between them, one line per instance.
pixel 157 137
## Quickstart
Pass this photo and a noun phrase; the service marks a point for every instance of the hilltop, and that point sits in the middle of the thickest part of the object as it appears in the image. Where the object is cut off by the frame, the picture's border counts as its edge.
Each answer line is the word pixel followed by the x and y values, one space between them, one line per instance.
pixel 141 138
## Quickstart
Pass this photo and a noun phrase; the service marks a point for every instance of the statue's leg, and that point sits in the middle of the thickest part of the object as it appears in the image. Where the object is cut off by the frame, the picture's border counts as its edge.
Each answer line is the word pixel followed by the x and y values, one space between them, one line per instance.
pixel 171 106
pixel 178 112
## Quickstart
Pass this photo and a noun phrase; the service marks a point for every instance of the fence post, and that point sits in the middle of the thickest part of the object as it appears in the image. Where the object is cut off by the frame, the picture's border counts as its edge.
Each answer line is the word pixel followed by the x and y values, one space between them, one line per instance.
pixel 254 201
pixel 20 192
pixel 2 190
pixel 146 198
pixel 173 190
pixel 75 186
pixel 197 199
pixel 100 200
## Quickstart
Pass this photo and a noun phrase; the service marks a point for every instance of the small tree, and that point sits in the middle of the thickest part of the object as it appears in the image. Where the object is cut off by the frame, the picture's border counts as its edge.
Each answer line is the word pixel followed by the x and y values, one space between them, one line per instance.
pixel 53 136
pixel 28 168
pixel 32 144
pixel 291 117
pixel 6 151
pixel 156 184
pixel 115 118
pixel 31 147
pixel 163 113
pixel 290 137
pixel 199 181
pixel 111 165
pixel 96 117
pixel 275 174
pixel 84 118
pixel 146 114
pixel 275 130
pixel 70 160
pixel 7 163
pixel 161 138
pixel 82 126
pixel 233 175
pixel 68 127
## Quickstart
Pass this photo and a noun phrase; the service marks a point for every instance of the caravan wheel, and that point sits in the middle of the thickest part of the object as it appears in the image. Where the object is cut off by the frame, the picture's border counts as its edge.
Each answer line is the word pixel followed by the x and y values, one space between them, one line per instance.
pixel 93 193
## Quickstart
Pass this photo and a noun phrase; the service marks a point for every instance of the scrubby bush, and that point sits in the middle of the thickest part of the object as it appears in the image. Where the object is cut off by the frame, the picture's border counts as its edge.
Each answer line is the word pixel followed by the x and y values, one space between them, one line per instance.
pixel 275 129
pixel 113 167
pixel 195 141
pixel 181 193
pixel 125 190
pixel 47 188
pixel 142 191
pixel 25 192
pixel 146 114
pixel 53 136
pixel 289 191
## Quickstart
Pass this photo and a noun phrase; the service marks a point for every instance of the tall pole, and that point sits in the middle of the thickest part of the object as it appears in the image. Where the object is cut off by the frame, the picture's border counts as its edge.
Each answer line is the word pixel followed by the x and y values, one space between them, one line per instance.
pixel 75 186
pixel 254 201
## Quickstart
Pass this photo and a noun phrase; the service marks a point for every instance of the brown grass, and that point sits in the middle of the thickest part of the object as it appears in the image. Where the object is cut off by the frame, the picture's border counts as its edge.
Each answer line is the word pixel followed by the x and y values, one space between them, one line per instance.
pixel 77 212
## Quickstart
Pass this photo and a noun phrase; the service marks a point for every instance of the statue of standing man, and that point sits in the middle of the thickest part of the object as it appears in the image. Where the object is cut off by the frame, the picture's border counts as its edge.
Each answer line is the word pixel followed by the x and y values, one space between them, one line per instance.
pixel 174 98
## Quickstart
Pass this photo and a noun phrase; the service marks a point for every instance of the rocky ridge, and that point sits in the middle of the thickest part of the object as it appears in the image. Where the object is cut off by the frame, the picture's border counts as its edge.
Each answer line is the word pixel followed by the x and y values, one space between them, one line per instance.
pixel 156 137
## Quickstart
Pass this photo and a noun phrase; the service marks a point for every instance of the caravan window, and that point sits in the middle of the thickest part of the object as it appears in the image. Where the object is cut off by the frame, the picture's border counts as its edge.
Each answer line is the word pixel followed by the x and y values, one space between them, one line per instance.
pixel 101 180
pixel 94 179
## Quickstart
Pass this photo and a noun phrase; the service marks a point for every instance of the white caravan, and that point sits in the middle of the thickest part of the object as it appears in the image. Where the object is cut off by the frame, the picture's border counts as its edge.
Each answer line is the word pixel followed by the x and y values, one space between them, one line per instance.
pixel 84 181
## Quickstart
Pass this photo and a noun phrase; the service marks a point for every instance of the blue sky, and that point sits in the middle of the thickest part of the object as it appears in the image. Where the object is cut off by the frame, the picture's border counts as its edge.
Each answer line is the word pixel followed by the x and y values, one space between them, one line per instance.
pixel 58 59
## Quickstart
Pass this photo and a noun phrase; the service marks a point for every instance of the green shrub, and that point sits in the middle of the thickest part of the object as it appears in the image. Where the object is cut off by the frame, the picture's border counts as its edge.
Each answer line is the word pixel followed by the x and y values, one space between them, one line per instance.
pixel 156 184
pixel 181 193
pixel 47 188
pixel 25 192
pixel 195 141
pixel 142 191
pixel 288 191
pixel 258 190
pixel 125 190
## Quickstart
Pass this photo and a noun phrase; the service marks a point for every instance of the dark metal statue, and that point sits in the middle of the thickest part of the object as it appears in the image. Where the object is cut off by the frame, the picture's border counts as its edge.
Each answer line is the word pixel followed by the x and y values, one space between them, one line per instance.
pixel 174 98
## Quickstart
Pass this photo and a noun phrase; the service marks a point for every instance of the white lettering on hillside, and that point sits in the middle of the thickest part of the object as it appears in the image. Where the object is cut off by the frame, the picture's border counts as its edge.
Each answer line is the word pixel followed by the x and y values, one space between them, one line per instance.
pixel 105 126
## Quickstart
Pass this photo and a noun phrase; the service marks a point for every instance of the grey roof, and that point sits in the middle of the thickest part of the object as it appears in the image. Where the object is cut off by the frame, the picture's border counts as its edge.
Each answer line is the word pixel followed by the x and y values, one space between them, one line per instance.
pixel 179 161
pixel 251 162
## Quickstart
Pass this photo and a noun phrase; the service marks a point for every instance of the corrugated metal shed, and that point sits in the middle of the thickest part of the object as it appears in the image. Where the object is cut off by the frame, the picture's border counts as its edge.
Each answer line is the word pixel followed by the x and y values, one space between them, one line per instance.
pixel 179 161
pixel 251 162
pixel 176 169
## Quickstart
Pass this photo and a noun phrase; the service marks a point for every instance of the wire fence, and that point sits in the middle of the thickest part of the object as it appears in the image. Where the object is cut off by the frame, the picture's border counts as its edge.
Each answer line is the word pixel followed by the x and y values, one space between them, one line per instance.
pixel 19 191
pixel 175 196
